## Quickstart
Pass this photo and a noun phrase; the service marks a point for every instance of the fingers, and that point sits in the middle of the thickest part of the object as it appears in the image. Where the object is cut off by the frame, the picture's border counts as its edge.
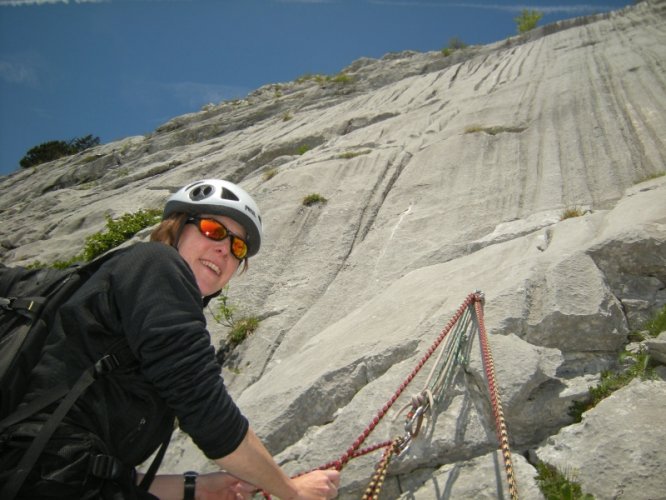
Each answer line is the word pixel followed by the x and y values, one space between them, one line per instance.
pixel 319 484
pixel 243 490
pixel 243 487
pixel 333 476
pixel 333 489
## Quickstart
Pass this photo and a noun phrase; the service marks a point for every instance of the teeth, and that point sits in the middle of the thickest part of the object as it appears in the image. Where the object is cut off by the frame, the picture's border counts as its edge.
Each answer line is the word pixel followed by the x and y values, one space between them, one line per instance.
pixel 211 266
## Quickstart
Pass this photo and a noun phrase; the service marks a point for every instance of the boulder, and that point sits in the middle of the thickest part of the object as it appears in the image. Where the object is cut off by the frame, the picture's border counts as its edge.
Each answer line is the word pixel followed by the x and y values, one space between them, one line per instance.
pixel 616 450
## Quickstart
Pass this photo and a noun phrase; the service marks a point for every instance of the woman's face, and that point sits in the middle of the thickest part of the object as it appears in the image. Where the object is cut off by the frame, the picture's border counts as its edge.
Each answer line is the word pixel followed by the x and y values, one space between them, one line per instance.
pixel 211 261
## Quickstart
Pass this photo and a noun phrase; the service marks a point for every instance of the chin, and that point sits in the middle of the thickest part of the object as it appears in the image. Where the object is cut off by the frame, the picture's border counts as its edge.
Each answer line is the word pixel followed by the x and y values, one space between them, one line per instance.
pixel 210 290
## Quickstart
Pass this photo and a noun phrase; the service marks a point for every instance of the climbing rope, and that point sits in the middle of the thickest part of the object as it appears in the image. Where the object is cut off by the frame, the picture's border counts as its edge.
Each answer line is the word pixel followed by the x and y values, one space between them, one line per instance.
pixel 441 375
pixel 342 461
pixel 496 402
pixel 454 340
pixel 375 487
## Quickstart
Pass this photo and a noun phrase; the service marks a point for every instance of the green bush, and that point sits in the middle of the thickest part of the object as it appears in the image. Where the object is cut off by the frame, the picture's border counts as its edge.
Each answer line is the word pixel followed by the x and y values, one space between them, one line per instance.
pixel 52 150
pixel 240 328
pixel 455 43
pixel 557 486
pixel 340 78
pixel 118 231
pixel 301 150
pixel 224 314
pixel 64 264
pixel 612 381
pixel 639 367
pixel 527 20
pixel 313 199
pixel 82 143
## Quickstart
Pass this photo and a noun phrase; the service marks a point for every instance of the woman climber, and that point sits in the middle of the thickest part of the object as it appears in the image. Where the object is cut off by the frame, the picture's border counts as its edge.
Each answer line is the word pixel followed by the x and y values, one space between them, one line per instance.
pixel 152 295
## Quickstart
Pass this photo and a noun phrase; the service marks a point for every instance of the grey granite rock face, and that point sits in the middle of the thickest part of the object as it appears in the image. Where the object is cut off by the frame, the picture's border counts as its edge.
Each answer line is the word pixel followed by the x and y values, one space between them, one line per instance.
pixel 443 176
pixel 616 451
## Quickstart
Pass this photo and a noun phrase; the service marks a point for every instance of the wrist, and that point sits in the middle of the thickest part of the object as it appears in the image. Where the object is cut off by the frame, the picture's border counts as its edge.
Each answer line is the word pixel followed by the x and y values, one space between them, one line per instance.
pixel 291 493
pixel 189 485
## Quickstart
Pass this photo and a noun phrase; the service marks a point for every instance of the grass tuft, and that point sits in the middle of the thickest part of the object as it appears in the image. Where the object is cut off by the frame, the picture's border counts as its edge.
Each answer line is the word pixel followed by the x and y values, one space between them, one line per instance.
pixel 571 212
pixel 239 328
pixel 657 323
pixel 558 486
pixel 494 130
pixel 313 199
pixel 269 174
pixel 639 366
pixel 353 154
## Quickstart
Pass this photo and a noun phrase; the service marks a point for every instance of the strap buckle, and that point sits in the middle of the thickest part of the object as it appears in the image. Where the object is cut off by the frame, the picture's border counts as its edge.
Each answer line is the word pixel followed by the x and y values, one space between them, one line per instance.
pixel 27 306
pixel 7 303
pixel 106 364
pixel 105 466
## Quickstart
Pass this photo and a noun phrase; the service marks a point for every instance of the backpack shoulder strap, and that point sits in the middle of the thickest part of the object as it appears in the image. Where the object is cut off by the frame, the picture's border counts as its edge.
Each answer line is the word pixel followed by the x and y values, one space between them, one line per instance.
pixel 27 306
pixel 119 354
pixel 149 476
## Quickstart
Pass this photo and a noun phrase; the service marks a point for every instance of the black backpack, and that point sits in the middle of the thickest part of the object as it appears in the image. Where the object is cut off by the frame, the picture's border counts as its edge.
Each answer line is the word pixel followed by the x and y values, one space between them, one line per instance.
pixel 29 300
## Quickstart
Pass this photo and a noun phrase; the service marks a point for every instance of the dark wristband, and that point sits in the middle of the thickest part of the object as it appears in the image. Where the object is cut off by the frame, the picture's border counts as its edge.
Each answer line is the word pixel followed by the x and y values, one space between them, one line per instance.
pixel 189 484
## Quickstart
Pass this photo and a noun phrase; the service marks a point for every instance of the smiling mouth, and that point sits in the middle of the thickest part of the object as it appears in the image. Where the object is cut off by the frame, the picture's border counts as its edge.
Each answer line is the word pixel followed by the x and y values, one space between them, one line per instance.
pixel 211 266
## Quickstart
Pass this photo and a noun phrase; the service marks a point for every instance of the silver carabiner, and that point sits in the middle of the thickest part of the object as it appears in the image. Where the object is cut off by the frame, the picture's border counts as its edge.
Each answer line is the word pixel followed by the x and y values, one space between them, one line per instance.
pixel 417 418
pixel 404 444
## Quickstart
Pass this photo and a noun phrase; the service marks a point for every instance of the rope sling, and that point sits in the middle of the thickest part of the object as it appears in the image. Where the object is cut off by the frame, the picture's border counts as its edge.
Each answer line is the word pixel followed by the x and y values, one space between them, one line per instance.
pixel 454 343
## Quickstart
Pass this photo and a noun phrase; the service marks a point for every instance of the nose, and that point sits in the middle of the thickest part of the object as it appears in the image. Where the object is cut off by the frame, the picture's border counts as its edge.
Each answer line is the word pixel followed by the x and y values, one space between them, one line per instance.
pixel 223 246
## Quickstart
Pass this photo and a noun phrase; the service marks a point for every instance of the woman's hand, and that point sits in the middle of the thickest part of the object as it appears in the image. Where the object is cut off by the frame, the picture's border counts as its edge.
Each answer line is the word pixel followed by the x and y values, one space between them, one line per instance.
pixel 222 486
pixel 213 486
pixel 317 485
pixel 252 461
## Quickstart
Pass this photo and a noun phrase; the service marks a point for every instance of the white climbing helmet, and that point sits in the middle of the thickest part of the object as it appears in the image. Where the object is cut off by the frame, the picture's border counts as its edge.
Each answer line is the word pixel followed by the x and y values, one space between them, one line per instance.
pixel 219 197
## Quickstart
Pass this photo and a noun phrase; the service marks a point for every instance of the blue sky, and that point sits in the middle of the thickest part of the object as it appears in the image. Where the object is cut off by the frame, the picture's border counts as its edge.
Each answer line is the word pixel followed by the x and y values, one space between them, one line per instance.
pixel 118 68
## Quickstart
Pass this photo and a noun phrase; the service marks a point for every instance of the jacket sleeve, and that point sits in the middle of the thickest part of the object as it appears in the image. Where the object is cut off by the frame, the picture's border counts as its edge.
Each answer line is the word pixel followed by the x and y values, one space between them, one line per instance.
pixel 160 308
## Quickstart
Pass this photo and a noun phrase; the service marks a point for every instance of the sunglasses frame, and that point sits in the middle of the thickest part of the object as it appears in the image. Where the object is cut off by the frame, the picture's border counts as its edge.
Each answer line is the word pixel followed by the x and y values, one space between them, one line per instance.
pixel 196 220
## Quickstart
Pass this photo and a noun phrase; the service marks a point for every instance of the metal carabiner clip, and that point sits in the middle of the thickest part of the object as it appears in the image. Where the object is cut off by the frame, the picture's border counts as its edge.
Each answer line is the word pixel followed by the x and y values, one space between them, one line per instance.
pixel 402 444
pixel 416 419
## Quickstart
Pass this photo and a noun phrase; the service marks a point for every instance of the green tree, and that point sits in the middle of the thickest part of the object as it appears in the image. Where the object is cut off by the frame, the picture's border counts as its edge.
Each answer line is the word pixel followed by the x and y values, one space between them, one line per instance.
pixel 527 20
pixel 83 143
pixel 47 151
pixel 52 150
